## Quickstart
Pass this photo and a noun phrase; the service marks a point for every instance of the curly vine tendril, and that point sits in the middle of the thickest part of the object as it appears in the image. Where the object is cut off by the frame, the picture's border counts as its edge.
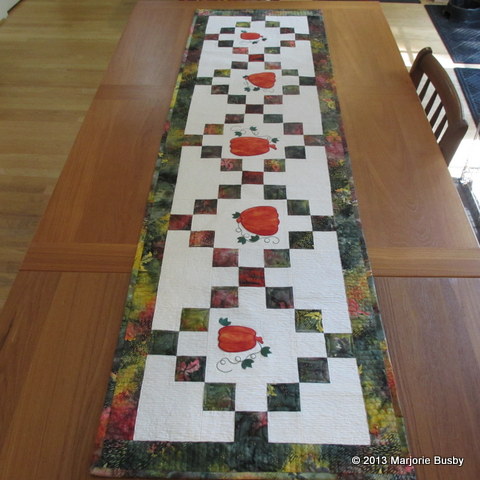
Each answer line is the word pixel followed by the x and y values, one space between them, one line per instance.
pixel 274 240
pixel 224 361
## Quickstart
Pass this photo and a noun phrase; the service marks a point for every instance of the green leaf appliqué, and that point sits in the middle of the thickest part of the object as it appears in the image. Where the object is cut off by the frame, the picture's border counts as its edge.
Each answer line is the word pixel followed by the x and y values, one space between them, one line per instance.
pixel 265 351
pixel 225 322
pixel 247 363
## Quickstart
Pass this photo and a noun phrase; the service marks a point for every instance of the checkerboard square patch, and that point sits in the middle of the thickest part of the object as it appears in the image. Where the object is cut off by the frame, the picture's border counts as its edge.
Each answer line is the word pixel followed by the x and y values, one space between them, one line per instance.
pixel 283 397
pixel 163 342
pixel 224 297
pixel 225 257
pixel 194 319
pixel 251 277
pixel 279 297
pixel 229 191
pixel 313 370
pixel 252 178
pixel 190 369
pixel 202 238
pixel 219 397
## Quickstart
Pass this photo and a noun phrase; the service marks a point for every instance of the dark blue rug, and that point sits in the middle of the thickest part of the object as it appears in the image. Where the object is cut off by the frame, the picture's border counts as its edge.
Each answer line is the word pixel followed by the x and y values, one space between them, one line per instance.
pixel 469 79
pixel 462 39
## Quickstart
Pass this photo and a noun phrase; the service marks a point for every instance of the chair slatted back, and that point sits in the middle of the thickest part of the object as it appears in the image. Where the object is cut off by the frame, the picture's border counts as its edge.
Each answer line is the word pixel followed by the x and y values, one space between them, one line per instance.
pixel 440 102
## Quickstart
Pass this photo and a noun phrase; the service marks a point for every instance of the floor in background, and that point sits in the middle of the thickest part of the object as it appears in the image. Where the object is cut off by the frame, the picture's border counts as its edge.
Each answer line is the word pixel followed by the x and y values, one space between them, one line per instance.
pixel 461 37
pixel 413 30
pixel 469 79
pixel 53 55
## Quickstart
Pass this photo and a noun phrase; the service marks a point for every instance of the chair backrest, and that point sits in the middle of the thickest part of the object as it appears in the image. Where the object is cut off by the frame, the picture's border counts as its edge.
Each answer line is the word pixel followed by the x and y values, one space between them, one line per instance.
pixel 440 102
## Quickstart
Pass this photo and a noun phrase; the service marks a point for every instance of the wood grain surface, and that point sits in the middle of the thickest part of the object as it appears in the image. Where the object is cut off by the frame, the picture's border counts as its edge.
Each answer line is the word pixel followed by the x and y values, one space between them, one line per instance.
pixel 79 257
pixel 59 328
pixel 424 262
pixel 434 336
pixel 53 55
pixel 56 350
pixel 394 155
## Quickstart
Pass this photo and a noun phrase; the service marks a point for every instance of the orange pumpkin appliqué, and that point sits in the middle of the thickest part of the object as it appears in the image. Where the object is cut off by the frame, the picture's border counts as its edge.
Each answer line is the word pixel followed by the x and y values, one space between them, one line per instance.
pixel 249 146
pixel 262 80
pixel 250 36
pixel 261 220
pixel 234 339
pixel 237 339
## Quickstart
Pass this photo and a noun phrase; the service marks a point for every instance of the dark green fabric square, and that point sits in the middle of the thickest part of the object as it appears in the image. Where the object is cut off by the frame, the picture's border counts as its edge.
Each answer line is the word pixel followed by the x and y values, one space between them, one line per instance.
pixel 298 207
pixel 251 427
pixel 339 345
pixel 163 342
pixel 301 240
pixel 272 118
pixel 313 370
pixel 203 81
pixel 290 72
pixel 295 152
pixel 237 99
pixel 283 397
pixel 291 90
pixel 323 223
pixel 219 397
pixel 274 192
pixel 307 81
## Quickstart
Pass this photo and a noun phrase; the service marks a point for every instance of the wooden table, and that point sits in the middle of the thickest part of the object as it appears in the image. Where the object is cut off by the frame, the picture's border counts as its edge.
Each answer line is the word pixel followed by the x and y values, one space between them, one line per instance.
pixel 59 328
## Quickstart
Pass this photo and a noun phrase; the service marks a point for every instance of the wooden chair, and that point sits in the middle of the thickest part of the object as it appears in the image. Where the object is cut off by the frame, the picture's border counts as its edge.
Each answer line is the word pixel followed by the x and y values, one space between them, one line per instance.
pixel 440 102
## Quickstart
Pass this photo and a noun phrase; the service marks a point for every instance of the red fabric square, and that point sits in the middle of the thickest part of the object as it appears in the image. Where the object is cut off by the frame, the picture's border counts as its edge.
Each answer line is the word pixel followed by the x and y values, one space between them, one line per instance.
pixel 225 257
pixel 224 297
pixel 180 222
pixel 202 238
pixel 255 178
pixel 258 57
pixel 251 277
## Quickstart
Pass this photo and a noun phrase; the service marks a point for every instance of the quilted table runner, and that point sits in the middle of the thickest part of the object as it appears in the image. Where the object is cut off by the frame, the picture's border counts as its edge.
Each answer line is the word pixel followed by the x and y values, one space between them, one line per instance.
pixel 251 345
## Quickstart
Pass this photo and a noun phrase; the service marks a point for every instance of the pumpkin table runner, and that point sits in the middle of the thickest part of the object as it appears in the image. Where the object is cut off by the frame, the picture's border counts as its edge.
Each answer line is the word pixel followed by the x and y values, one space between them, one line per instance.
pixel 251 345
